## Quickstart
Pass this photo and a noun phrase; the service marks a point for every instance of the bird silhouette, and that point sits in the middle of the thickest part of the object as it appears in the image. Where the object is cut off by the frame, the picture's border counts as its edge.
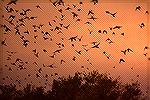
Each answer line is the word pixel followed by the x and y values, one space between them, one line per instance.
pixel 122 34
pixel 79 52
pixel 57 51
pixel 86 49
pixel 25 42
pixel 80 2
pixel 112 14
pixel 57 28
pixel 99 31
pixel 62 61
pixel 117 27
pixel 80 38
pixel 145 54
pixel 87 23
pixel 11 17
pixel 82 66
pixel 90 12
pixel 66 27
pixel 27 32
pixel 142 25
pixel 90 31
pixel 4 42
pixel 129 50
pixel 74 58
pixel 74 6
pixel 32 17
pixel 104 31
pixel 68 8
pixel 61 25
pixel 37 54
pixel 53 55
pixel 6 28
pixel 38 6
pixel 10 69
pixel 96 46
pixel 78 20
pixel 56 74
pixel 121 60
pixel 73 38
pixel 9 10
pixel 124 52
pixel 37 75
pixel 94 1
pixel 60 2
pixel 146 12
pixel 51 66
pixel 44 50
pixel 79 9
pixel 113 33
pixel 138 8
pixel 93 18
pixel 60 10
pixel 40 70
pixel 74 14
pixel 12 2
pixel 146 47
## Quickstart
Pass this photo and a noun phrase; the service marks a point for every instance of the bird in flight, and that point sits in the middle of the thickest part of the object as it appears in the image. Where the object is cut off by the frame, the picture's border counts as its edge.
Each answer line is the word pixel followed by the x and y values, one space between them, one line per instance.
pixel 51 66
pixel 138 8
pixel 74 58
pixel 142 25
pixel 62 61
pixel 79 52
pixel 58 51
pixel 12 2
pixel 90 12
pixel 90 31
pixel 117 27
pixel 73 38
pixel 96 46
pixel 94 1
pixel 146 47
pixel 124 52
pixel 121 60
pixel 112 14
pixel 4 42
pixel 93 18
pixel 66 27
pixel 9 10
pixel 145 54
pixel 88 23
pixel 104 31
pixel 38 6
pixel 74 15
pixel 146 12
pixel 129 50
pixel 122 34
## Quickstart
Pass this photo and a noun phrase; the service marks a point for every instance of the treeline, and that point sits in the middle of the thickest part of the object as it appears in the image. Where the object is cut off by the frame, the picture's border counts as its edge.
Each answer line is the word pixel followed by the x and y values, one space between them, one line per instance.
pixel 81 86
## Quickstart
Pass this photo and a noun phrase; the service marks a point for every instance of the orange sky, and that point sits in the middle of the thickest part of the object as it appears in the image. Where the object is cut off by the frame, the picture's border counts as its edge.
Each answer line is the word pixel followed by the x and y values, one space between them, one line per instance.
pixel 135 38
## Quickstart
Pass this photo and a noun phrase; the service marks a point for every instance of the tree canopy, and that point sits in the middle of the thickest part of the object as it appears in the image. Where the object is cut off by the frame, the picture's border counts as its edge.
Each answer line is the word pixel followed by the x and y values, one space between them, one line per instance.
pixel 81 86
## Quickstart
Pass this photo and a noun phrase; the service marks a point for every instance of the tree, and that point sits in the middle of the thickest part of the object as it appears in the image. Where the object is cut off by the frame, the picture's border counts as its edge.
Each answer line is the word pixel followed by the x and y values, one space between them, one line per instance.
pixel 81 86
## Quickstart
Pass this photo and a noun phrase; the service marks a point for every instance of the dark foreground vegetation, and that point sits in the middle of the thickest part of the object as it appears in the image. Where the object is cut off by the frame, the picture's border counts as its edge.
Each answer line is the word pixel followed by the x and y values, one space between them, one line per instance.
pixel 87 86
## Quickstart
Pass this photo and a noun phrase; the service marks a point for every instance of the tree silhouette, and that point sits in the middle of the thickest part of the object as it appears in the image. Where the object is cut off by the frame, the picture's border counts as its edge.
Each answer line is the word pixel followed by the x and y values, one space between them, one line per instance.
pixel 81 86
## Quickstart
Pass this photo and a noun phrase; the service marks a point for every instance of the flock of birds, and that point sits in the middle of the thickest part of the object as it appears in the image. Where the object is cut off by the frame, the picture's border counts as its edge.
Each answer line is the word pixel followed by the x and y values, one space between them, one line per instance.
pixel 14 25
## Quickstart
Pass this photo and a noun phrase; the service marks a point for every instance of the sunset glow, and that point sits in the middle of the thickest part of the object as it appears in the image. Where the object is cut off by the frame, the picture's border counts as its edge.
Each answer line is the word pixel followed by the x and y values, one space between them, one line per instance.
pixel 43 39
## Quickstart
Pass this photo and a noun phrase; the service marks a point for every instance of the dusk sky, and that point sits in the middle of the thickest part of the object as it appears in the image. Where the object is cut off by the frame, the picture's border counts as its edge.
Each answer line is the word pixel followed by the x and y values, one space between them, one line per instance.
pixel 44 40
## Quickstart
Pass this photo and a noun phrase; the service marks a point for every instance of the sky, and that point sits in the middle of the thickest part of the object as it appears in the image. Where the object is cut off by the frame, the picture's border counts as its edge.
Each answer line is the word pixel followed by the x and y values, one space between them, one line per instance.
pixel 36 56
